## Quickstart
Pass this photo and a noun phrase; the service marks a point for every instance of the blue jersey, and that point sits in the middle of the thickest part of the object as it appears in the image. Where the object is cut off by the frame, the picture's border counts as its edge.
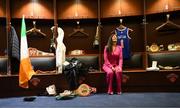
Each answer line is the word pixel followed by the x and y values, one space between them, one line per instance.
pixel 123 39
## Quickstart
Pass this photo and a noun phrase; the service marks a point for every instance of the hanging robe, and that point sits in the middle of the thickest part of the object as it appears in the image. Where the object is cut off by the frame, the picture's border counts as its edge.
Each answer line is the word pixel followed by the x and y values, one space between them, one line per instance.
pixel 60 50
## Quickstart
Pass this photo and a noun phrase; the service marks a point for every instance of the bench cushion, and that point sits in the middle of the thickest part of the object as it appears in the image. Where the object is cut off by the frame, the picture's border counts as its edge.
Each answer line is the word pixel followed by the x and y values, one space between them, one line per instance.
pixel 89 60
pixel 165 59
pixel 43 63
pixel 135 61
pixel 3 64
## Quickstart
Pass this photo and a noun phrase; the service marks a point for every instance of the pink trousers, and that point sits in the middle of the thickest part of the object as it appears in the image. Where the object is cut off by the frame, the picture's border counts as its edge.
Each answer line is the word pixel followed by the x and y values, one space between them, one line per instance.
pixel 109 79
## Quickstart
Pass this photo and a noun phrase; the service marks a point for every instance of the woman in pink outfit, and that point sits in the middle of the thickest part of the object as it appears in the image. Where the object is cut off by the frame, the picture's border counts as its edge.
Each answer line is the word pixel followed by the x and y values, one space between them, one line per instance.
pixel 113 60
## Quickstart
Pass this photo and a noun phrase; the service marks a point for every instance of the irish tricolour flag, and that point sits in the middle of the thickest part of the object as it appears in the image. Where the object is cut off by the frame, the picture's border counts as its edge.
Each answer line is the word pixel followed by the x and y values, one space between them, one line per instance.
pixel 25 70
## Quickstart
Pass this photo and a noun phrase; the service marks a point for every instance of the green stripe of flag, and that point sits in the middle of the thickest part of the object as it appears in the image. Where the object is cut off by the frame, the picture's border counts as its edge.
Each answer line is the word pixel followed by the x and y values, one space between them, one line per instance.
pixel 23 28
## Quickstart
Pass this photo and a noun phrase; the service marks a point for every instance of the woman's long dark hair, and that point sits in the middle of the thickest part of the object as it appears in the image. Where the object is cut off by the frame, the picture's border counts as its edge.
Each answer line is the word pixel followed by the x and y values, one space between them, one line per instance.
pixel 109 44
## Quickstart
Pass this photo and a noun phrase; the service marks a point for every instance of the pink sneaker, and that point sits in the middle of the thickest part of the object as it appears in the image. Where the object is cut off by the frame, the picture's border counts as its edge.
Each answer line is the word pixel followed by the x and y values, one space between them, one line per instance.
pixel 119 93
pixel 110 93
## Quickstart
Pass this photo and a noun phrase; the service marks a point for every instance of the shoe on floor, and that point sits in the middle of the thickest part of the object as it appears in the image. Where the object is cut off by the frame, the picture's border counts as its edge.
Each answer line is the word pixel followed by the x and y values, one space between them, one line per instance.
pixel 110 93
pixel 119 93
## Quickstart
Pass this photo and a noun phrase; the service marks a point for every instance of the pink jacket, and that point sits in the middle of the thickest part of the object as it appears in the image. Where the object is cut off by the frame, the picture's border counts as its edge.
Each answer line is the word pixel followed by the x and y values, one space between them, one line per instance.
pixel 114 59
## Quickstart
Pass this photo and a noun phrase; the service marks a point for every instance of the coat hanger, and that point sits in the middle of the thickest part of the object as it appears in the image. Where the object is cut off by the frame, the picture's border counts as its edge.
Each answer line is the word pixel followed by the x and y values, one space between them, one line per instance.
pixel 35 31
pixel 121 26
pixel 168 25
pixel 78 31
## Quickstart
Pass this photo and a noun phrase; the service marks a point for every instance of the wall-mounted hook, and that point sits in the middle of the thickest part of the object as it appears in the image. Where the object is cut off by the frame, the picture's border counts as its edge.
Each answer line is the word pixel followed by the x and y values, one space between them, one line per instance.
pixel 121 20
pixel 78 22
pixel 167 16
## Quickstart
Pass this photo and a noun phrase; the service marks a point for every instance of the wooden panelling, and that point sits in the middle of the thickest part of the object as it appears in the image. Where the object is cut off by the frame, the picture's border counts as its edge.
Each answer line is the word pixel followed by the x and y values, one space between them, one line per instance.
pixel 2 8
pixel 164 38
pixel 157 6
pixel 132 82
pixel 42 9
pixel 174 5
pixel 117 8
pixel 35 40
pixel 77 9
pixel 3 38
pixel 79 42
pixel 85 11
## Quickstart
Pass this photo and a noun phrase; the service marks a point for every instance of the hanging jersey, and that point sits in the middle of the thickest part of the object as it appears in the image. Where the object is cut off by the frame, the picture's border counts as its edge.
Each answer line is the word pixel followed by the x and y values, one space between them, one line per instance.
pixel 123 40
